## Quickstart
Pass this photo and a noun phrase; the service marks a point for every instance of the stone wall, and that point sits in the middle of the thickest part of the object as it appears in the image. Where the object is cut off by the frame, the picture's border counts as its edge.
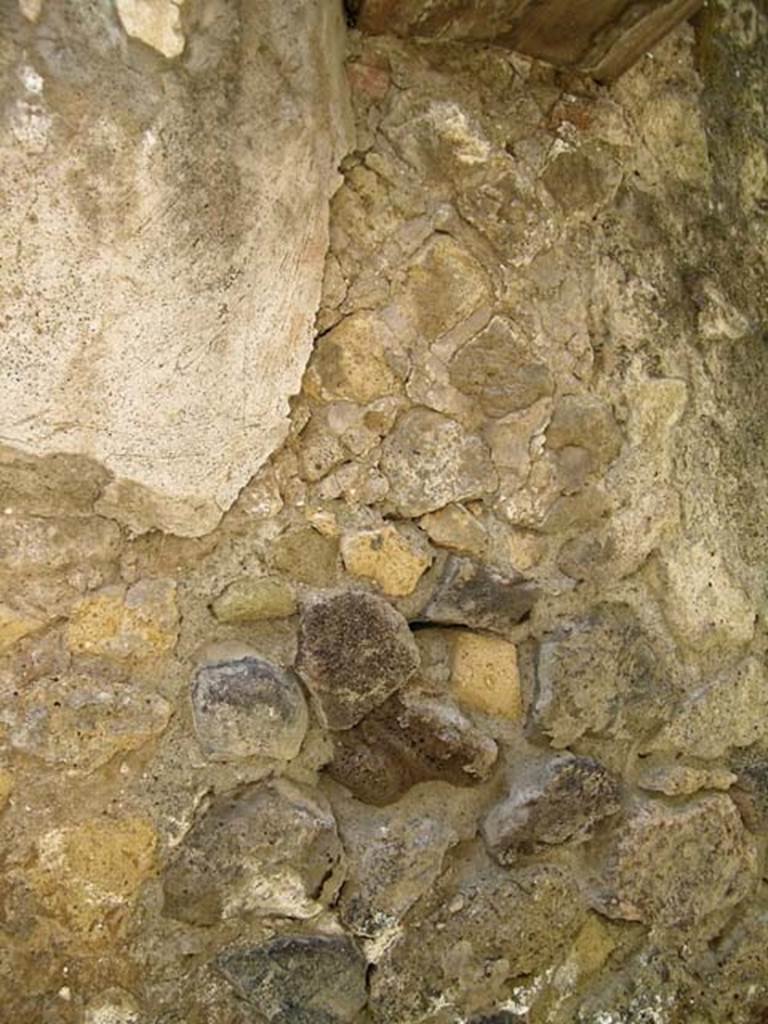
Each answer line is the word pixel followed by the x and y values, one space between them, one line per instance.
pixel 460 714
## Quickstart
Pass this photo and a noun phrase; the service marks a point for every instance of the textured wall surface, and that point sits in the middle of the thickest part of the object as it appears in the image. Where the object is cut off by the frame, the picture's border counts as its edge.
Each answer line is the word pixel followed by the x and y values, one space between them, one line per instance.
pixel 460 715
pixel 166 170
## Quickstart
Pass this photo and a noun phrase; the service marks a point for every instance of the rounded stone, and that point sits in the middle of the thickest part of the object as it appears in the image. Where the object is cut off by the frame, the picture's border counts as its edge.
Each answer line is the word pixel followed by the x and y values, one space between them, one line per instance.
pixel 354 651
pixel 248 708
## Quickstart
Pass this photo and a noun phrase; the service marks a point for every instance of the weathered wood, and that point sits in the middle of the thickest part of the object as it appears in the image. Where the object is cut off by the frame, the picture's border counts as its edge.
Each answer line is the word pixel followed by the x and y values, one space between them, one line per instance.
pixel 599 37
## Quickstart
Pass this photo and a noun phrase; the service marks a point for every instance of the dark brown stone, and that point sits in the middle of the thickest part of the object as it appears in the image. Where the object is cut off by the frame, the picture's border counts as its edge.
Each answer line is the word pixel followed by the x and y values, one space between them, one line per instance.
pixel 410 739
pixel 354 651
pixel 476 595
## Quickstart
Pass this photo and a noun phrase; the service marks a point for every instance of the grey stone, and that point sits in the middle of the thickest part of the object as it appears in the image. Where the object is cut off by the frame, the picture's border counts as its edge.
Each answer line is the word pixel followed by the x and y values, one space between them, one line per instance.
pixel 599 675
pixel 473 594
pixel 431 461
pixel 411 738
pixel 394 856
pixel 247 708
pixel 268 849
pixel 480 926
pixel 673 866
pixel 354 651
pixel 300 979
pixel 560 801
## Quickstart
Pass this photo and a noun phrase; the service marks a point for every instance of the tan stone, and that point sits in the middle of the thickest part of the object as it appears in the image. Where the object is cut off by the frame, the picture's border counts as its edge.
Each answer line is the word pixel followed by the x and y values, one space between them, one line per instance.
pixel 455 528
pixel 6 787
pixel 306 555
pixel 485 674
pixel 386 556
pixel 350 362
pixel 127 625
pixel 253 600
pixel 89 874
pixel 155 22
pixel 14 626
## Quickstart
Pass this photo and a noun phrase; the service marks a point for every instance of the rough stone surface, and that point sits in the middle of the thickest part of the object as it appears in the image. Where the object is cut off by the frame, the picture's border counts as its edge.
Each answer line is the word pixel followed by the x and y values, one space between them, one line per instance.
pixel 388 557
pixel 253 600
pixel 430 461
pixel 598 675
pixel 673 866
pixel 354 651
pixel 472 594
pixel 410 739
pixel 269 849
pixel 355 361
pixel 309 979
pixel 79 722
pixel 485 675
pixel 455 528
pixel 248 708
pixel 145 339
pixel 127 625
pixel 394 857
pixel 480 927
pixel 306 555
pixel 14 626
pixel 557 802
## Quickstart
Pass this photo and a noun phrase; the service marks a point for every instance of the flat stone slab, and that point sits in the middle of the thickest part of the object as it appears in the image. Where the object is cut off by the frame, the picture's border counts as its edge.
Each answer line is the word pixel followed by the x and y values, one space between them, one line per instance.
pixel 164 237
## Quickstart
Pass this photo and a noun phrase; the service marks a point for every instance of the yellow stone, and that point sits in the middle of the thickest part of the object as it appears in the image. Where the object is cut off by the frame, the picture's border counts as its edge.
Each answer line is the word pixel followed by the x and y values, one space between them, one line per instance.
pixel 387 557
pixel 6 787
pixel 485 675
pixel 455 528
pixel 350 362
pixel 14 626
pixel 89 875
pixel 126 626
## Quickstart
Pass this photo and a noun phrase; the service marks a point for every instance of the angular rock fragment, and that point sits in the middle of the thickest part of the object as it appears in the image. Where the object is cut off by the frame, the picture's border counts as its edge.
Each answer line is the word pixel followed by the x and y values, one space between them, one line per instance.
pixel 497 369
pixel 559 801
pixel 584 421
pixel 479 927
pixel 300 979
pixel 598 675
pixel 485 674
pixel 431 461
pixel 472 594
pixel 389 557
pixel 672 866
pixel 411 738
pixel 354 651
pixel 248 708
pixel 268 849
pixel 394 856
pixel 683 780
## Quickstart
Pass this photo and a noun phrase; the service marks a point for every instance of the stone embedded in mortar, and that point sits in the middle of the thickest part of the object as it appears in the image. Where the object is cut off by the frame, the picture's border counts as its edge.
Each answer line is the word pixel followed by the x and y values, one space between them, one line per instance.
pixel 684 780
pixel 497 368
pixel 584 178
pixel 306 555
pixel 750 792
pixel 394 856
pixel 473 594
pixel 599 675
pixel 354 651
pixel 485 674
pixel 155 231
pixel 15 625
pixel 393 559
pixel 413 737
pixel 479 927
pixel 112 1006
pixel 673 866
pixel 89 875
pixel 81 723
pixel 354 361
pixel 431 461
pixel 556 802
pixel 730 712
pixel 455 528
pixel 255 600
pixel 300 979
pixel 6 787
pixel 126 625
pixel 585 422
pixel 270 848
pixel 248 708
